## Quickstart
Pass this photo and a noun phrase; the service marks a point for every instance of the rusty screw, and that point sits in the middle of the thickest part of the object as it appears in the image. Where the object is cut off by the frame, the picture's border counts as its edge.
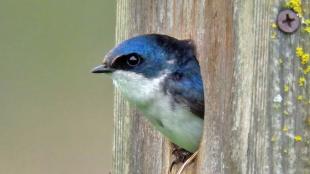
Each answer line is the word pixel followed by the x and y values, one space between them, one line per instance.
pixel 288 21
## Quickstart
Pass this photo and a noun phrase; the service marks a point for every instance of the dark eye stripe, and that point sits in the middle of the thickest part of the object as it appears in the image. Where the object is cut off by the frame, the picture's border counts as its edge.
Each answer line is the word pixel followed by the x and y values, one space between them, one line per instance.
pixel 115 60
pixel 122 62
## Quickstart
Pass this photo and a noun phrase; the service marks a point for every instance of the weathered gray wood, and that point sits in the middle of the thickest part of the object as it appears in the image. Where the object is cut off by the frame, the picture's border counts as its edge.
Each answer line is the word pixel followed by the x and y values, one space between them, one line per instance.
pixel 244 131
pixel 216 57
pixel 244 68
pixel 137 147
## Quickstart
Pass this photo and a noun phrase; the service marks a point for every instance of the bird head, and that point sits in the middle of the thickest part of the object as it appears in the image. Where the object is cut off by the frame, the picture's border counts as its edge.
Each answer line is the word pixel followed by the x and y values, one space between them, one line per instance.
pixel 138 63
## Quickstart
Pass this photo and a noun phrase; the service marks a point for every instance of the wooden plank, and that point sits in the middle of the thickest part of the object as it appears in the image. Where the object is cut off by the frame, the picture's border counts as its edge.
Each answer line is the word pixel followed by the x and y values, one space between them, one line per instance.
pixel 137 147
pixel 217 61
pixel 245 65
pixel 252 132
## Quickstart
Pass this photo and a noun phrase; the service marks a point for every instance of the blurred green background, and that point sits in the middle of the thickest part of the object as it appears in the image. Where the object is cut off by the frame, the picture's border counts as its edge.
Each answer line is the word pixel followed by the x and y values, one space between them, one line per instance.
pixel 55 116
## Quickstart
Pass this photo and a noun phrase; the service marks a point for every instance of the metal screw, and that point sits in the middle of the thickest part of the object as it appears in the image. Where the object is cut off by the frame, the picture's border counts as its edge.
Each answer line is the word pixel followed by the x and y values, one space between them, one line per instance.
pixel 288 21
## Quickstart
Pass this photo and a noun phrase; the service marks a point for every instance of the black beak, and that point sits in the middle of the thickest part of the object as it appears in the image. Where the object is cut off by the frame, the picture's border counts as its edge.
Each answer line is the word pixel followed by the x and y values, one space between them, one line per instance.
pixel 102 69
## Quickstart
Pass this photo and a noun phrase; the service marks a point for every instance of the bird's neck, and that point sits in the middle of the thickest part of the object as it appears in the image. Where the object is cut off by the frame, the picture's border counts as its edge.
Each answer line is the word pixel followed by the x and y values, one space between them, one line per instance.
pixel 137 88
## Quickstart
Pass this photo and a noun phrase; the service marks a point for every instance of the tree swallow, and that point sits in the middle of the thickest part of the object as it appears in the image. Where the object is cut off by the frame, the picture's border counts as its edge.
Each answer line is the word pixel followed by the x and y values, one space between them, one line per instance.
pixel 161 76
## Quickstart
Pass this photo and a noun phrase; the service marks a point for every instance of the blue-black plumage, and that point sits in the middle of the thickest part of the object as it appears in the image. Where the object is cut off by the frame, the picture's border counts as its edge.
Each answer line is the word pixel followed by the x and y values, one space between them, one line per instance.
pixel 161 76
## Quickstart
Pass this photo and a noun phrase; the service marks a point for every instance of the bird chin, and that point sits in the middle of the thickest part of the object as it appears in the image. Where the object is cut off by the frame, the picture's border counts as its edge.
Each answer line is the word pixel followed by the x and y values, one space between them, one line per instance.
pixel 136 87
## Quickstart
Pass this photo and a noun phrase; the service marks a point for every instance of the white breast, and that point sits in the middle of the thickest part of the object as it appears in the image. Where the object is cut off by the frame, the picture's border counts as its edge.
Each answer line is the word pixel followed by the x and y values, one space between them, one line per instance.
pixel 177 123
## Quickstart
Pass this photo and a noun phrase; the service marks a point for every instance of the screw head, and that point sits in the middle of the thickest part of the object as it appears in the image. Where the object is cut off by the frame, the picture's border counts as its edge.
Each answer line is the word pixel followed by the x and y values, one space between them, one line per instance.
pixel 288 21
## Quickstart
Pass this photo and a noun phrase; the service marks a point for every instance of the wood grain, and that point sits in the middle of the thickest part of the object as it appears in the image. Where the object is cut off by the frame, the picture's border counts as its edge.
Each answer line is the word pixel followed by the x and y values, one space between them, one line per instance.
pixel 245 65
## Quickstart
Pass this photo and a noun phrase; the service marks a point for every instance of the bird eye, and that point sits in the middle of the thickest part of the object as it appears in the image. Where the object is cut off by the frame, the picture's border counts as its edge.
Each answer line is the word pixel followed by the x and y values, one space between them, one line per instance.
pixel 127 62
pixel 133 60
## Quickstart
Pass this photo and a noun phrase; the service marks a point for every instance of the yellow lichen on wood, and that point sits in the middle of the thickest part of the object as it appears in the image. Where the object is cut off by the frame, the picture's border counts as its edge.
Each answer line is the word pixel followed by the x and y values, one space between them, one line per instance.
pixel 301 81
pixel 285 113
pixel 305 58
pixel 300 97
pixel 295 5
pixel 307 70
pixel 274 138
pixel 274 25
pixel 299 51
pixel 286 88
pixel 298 138
pixel 273 35
pixel 285 129
pixel 307 27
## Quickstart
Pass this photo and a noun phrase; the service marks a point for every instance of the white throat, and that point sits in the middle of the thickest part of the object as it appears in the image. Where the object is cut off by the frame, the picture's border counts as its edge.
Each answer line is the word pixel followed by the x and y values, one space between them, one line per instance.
pixel 136 87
